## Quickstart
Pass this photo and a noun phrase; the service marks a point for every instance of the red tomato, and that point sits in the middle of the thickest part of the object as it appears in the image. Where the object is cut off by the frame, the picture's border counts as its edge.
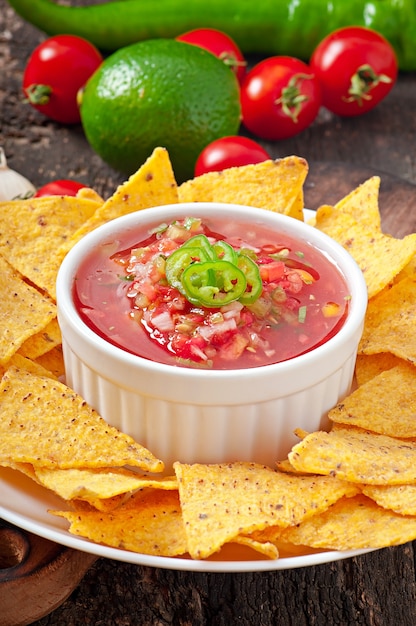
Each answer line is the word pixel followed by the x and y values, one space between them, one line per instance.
pixel 356 67
pixel 280 97
pixel 220 44
pixel 55 72
pixel 61 187
pixel 230 151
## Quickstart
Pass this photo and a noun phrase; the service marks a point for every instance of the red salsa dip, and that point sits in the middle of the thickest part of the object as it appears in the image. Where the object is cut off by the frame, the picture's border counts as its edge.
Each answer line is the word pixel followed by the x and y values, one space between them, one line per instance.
pixel 211 294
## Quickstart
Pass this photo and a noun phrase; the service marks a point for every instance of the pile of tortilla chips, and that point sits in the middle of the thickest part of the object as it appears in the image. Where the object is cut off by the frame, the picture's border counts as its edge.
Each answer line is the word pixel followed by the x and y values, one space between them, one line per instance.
pixel 353 487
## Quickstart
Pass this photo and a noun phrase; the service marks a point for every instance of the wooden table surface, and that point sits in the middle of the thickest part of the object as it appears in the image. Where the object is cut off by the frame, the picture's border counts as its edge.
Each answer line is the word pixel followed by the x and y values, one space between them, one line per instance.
pixel 376 589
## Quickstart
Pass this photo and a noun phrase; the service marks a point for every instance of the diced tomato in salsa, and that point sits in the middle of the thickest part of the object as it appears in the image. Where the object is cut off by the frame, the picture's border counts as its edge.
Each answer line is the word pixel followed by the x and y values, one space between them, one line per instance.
pixel 126 297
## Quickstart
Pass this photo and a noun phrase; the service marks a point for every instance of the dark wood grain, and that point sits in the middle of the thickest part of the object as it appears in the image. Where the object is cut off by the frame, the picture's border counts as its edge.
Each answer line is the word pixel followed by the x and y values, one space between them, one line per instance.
pixel 376 589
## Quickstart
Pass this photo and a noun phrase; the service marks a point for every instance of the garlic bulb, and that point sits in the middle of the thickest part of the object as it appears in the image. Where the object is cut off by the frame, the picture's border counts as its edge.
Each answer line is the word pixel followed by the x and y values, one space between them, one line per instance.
pixel 13 186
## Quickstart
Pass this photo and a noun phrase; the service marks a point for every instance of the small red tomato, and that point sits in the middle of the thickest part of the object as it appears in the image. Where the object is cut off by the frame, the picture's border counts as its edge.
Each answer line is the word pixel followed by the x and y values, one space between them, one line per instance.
pixel 280 97
pixel 232 151
pixel 63 187
pixel 356 67
pixel 55 72
pixel 219 44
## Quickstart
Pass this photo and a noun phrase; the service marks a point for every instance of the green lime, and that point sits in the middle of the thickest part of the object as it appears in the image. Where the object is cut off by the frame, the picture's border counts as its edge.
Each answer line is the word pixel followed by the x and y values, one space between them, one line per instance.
pixel 159 92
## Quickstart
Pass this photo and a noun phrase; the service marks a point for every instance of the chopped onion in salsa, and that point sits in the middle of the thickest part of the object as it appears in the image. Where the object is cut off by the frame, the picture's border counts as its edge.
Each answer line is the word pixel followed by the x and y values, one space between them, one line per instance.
pixel 217 296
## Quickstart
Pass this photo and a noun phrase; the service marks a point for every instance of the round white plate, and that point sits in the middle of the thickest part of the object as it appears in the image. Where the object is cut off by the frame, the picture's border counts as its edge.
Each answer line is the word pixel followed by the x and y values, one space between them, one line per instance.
pixel 25 504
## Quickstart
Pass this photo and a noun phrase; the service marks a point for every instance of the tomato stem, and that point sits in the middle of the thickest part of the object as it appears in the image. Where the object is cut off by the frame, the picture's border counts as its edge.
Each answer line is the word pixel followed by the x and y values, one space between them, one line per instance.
pixel 291 98
pixel 231 60
pixel 38 94
pixel 362 82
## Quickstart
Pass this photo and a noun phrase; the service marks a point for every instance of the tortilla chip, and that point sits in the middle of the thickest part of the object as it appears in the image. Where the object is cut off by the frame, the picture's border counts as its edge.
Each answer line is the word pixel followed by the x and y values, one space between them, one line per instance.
pixel 369 365
pixel 86 193
pixel 23 311
pixel 222 502
pixel 409 271
pixel 44 422
pixel 266 548
pixel 273 185
pixel 31 230
pixel 152 185
pixel 386 404
pixel 353 524
pixel 101 483
pixel 357 455
pixel 149 523
pixel 362 204
pixel 53 362
pixel 379 256
pixel 398 498
pixel 390 322
pixel 42 342
pixel 23 363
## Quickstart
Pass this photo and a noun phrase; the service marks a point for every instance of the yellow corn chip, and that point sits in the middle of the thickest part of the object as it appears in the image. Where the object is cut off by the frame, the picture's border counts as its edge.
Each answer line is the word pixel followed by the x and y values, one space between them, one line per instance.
pixel 102 483
pixel 53 361
pixel 98 504
pixel 152 185
pixel 23 311
pixel 274 185
pixel 369 365
pixel 409 270
pixel 222 502
pixel 379 256
pixel 86 193
pixel 357 455
pixel 362 204
pixel 31 230
pixel 353 524
pixel 390 322
pixel 263 547
pixel 23 363
pixel 386 404
pixel 42 342
pixel 399 498
pixel 149 523
pixel 45 423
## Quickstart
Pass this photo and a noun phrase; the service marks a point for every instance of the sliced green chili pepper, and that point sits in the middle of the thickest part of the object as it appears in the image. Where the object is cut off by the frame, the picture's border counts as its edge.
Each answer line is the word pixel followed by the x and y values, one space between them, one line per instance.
pixel 265 27
pixel 179 260
pixel 225 252
pixel 254 286
pixel 214 283
pixel 201 241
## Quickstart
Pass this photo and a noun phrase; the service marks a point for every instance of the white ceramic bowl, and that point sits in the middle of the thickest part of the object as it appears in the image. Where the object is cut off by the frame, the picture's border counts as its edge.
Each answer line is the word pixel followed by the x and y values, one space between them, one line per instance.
pixel 210 416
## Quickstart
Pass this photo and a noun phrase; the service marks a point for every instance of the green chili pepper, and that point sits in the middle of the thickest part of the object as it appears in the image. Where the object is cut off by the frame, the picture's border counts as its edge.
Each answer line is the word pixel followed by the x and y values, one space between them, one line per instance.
pixel 254 283
pixel 225 252
pixel 213 284
pixel 268 27
pixel 179 260
pixel 202 242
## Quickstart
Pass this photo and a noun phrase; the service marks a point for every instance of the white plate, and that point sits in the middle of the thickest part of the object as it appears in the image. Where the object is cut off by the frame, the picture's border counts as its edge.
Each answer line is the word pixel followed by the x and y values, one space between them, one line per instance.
pixel 25 504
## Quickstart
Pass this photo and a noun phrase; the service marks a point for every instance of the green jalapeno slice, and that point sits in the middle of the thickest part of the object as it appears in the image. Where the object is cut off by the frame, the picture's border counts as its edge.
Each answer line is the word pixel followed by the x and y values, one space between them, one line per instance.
pixel 179 260
pixel 225 252
pixel 201 242
pixel 254 286
pixel 213 283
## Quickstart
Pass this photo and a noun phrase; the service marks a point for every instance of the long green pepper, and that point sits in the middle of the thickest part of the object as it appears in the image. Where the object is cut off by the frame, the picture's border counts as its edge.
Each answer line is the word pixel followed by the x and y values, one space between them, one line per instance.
pixel 267 27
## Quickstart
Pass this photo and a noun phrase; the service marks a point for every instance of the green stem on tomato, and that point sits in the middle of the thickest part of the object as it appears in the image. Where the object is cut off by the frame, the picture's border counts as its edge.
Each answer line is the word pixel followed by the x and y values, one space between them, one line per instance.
pixel 269 27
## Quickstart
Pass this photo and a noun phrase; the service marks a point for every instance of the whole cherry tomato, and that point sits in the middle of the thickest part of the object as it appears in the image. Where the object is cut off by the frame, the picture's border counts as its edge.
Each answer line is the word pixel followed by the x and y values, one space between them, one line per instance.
pixel 280 97
pixel 55 72
pixel 63 187
pixel 220 44
pixel 356 67
pixel 231 151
